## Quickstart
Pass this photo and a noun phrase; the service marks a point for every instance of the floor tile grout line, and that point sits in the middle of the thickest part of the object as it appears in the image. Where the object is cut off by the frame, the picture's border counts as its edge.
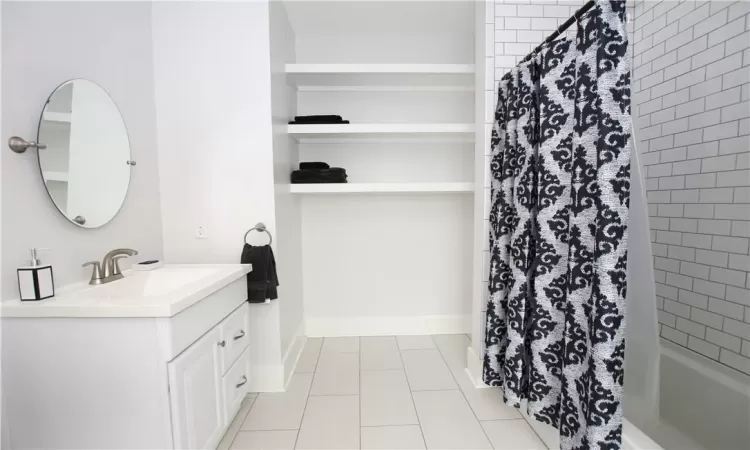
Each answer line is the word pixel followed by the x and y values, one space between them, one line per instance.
pixel 475 414
pixel 479 422
pixel 533 430
pixel 270 429
pixel 398 351
pixel 239 430
pixel 411 393
pixel 307 399
pixel 391 426
pixel 333 395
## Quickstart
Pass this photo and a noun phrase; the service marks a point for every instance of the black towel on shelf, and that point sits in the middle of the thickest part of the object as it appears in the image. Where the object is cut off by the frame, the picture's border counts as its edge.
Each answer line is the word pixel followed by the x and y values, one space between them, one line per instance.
pixel 263 280
pixel 313 165
pixel 317 120
pixel 332 175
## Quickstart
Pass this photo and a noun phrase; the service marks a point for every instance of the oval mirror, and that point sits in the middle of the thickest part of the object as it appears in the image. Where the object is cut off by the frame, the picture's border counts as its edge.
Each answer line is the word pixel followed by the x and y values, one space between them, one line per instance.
pixel 86 165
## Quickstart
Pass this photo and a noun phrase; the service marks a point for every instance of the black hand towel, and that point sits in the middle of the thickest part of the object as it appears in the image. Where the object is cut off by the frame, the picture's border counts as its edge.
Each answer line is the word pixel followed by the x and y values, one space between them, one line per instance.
pixel 263 280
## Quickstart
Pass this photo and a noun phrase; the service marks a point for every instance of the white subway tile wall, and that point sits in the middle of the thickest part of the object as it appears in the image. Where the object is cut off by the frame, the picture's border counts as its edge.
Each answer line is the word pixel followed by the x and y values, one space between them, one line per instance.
pixel 691 91
pixel 691 60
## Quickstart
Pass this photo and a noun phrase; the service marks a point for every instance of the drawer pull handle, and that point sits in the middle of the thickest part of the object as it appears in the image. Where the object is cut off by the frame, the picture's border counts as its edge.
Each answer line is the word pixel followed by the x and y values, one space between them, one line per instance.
pixel 240 335
pixel 242 383
pixel 222 343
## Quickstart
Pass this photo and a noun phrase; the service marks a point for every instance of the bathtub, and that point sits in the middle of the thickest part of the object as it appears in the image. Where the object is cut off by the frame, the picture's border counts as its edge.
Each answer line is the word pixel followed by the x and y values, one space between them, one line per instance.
pixel 703 405
pixel 705 400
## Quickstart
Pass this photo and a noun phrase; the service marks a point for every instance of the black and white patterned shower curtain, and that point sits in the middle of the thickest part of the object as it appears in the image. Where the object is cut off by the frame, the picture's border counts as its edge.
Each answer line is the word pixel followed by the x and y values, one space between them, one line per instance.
pixel 558 232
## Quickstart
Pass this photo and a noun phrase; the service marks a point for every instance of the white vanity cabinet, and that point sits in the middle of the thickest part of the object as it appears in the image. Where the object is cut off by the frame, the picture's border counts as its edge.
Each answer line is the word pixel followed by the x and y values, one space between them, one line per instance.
pixel 208 382
pixel 164 366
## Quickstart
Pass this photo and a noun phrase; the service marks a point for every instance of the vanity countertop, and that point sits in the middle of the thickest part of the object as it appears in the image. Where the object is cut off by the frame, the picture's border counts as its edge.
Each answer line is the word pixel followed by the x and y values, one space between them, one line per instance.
pixel 162 292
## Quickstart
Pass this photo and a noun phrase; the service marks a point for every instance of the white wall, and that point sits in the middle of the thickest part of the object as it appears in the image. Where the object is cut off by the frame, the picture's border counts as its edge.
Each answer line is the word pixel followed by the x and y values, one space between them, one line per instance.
pixel 387 48
pixel 44 44
pixel 4 426
pixel 372 258
pixel 285 155
pixel 382 31
pixel 483 20
pixel 213 109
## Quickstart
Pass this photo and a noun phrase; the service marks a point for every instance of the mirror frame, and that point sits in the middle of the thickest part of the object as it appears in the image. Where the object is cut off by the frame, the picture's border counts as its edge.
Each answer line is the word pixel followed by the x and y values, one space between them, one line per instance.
pixel 39 155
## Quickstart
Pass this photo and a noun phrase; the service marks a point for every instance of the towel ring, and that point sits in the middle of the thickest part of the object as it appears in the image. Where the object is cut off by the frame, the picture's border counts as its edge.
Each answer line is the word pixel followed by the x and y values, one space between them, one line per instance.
pixel 260 226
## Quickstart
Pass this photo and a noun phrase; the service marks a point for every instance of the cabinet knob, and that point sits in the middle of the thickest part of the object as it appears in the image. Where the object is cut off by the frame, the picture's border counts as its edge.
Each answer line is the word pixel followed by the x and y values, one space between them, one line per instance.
pixel 240 335
pixel 242 383
pixel 222 343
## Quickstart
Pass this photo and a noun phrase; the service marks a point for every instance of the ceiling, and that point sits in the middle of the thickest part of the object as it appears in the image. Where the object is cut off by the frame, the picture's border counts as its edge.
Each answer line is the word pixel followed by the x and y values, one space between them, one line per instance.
pixel 385 16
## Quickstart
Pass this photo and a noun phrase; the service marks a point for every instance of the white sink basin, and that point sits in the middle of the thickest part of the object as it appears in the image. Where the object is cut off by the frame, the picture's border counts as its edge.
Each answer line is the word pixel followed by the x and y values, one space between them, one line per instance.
pixel 163 292
pixel 159 282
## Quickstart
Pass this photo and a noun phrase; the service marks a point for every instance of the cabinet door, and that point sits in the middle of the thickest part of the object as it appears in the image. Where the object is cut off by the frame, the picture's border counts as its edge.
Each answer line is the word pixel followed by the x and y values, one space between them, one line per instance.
pixel 196 395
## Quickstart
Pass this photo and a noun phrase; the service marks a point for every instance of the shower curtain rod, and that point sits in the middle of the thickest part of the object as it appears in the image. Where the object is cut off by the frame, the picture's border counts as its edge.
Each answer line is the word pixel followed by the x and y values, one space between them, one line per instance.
pixel 560 29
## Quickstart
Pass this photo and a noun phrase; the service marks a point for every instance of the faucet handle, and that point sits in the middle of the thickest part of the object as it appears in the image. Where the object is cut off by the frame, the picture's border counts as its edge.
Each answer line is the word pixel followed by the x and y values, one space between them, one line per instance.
pixel 96 275
pixel 115 265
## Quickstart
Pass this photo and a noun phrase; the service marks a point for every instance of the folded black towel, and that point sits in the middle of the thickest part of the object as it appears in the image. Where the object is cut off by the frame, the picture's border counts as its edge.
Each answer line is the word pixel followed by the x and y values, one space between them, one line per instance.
pixel 317 119
pixel 313 165
pixel 332 175
pixel 263 280
pixel 304 178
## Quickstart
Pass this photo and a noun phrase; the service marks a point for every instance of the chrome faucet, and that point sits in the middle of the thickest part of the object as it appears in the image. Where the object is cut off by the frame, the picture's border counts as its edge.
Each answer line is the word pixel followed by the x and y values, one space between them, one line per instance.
pixel 111 269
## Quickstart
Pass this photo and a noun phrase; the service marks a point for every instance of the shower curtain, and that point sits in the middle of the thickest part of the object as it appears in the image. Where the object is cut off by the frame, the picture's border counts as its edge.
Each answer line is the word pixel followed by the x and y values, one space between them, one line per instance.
pixel 558 232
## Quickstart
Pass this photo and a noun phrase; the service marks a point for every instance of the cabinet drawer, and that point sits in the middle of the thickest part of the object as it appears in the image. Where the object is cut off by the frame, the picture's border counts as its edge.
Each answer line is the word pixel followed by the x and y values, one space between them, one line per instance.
pixel 234 335
pixel 236 384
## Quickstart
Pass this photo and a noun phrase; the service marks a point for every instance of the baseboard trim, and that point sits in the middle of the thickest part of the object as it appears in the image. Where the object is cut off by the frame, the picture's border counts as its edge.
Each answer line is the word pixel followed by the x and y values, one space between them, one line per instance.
pixel 474 368
pixel 291 357
pixel 387 325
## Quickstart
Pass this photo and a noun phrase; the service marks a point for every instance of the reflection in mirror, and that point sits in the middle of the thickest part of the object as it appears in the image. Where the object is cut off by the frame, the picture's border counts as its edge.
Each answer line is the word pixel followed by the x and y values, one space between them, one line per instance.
pixel 85 166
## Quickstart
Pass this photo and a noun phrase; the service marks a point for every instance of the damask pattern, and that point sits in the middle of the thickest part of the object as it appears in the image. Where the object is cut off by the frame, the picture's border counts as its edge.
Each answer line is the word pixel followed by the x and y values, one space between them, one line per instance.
pixel 558 232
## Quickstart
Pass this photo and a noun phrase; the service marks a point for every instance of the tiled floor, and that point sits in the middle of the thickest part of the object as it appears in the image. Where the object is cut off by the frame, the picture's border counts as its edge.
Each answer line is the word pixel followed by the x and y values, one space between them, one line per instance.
pixel 405 392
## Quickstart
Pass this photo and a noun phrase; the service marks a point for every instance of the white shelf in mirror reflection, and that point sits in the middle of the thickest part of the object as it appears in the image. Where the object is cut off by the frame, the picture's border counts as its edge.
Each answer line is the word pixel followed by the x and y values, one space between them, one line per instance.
pixel 375 188
pixel 380 74
pixel 80 160
pixel 50 175
pixel 51 116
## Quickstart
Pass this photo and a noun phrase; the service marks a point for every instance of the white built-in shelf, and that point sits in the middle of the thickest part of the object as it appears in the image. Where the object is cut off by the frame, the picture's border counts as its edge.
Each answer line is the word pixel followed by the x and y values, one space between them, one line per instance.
pixel 50 116
pixel 374 130
pixel 312 75
pixel 375 188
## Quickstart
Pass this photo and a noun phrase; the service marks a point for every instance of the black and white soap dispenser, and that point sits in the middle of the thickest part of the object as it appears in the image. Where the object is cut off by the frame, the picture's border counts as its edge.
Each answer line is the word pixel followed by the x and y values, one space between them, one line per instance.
pixel 35 281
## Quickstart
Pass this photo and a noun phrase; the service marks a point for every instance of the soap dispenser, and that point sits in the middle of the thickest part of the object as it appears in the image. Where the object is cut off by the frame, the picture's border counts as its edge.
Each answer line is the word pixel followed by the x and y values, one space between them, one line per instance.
pixel 35 281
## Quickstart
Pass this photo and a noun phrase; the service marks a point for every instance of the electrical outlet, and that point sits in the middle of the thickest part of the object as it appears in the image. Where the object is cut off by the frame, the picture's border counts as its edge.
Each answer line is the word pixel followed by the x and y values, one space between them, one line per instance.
pixel 200 232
